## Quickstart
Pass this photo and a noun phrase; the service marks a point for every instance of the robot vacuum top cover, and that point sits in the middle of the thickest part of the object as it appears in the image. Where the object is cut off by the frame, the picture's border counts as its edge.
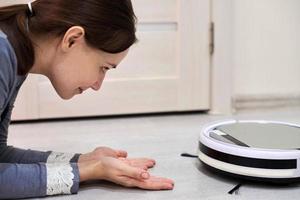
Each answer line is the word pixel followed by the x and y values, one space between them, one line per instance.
pixel 257 150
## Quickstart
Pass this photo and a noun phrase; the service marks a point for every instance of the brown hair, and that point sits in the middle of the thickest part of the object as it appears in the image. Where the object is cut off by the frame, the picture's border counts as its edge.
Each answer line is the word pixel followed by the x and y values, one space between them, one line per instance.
pixel 109 25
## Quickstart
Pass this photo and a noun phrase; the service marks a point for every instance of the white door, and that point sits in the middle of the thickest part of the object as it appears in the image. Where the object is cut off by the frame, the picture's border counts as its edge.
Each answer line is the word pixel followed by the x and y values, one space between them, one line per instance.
pixel 168 70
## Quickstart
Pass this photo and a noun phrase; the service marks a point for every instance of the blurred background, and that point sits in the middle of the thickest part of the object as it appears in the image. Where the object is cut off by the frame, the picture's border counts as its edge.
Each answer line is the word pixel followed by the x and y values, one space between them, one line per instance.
pixel 215 56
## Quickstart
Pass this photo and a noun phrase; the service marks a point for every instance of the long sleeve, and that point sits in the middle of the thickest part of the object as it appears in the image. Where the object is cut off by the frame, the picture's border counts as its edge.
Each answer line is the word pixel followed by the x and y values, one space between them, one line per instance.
pixel 22 181
pixel 28 173
pixel 37 180
pixel 10 84
pixel 10 154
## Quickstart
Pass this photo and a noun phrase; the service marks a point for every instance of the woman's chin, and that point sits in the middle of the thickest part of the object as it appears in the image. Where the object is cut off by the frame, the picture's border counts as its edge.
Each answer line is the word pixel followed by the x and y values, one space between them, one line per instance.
pixel 66 96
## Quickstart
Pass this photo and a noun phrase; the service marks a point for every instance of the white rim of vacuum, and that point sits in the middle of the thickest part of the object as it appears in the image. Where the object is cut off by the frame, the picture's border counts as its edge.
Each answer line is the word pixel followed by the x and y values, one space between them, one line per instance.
pixel 249 152
pixel 248 171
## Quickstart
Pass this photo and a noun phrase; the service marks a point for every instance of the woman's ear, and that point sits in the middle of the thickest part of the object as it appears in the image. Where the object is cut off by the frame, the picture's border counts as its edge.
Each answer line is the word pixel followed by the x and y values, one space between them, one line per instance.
pixel 72 37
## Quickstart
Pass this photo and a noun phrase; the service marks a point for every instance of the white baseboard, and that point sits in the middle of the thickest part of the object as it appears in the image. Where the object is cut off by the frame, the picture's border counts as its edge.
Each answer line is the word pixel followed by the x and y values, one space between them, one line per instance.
pixel 243 102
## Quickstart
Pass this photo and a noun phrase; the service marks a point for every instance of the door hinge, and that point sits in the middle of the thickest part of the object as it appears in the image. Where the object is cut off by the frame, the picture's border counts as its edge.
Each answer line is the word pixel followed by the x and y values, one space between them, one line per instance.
pixel 212 38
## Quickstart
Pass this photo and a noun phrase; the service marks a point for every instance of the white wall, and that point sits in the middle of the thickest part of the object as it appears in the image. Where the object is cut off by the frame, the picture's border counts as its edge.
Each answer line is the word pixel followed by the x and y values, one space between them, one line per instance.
pixel 264 52
pixel 266 48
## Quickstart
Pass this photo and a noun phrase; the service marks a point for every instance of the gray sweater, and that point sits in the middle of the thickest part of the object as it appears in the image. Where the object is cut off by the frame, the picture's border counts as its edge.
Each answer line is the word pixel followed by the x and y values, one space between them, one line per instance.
pixel 28 173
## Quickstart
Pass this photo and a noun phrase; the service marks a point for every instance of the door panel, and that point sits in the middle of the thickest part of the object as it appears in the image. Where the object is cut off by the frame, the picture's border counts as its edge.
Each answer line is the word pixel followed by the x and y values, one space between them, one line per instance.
pixel 167 70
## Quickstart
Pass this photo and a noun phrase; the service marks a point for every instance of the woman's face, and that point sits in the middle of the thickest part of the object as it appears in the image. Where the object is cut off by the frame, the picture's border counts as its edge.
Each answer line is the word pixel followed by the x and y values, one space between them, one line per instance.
pixel 81 67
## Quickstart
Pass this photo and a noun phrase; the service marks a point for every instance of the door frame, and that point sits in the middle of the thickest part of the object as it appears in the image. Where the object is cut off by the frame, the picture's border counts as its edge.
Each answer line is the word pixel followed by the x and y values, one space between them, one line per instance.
pixel 222 62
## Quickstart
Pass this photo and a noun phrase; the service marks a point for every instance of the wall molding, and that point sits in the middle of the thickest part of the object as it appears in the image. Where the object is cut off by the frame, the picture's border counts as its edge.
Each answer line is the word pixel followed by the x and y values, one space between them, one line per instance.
pixel 270 101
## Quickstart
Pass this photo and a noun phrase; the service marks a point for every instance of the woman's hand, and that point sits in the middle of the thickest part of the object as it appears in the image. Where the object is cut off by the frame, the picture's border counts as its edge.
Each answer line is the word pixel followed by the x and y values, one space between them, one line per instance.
pixel 98 153
pixel 102 152
pixel 123 173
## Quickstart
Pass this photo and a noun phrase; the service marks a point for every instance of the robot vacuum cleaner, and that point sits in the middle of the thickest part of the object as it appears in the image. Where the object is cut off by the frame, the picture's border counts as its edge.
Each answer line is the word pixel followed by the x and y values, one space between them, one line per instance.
pixel 254 150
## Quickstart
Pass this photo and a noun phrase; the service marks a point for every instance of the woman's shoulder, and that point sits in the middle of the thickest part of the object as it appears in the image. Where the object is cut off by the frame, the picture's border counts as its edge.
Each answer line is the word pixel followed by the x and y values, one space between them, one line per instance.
pixel 2 35
pixel 8 62
pixel 7 54
pixel 6 51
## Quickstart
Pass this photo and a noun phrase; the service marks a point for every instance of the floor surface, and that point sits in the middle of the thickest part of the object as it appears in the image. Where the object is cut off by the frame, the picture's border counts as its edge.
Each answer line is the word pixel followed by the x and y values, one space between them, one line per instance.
pixel 163 138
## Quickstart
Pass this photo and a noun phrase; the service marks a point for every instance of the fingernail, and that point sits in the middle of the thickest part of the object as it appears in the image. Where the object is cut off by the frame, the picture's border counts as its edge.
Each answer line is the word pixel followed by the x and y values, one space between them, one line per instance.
pixel 168 186
pixel 145 175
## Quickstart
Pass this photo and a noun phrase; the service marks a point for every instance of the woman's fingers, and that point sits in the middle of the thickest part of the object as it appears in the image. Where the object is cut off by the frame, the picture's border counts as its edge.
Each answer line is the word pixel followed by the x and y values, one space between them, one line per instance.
pixel 112 169
pixel 161 179
pixel 156 183
pixel 153 183
pixel 132 172
pixel 120 172
pixel 149 163
pixel 108 152
pixel 136 177
pixel 121 153
pixel 143 163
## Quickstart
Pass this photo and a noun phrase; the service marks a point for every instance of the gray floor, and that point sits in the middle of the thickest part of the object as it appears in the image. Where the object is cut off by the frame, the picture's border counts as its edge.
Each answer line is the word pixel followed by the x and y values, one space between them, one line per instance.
pixel 163 138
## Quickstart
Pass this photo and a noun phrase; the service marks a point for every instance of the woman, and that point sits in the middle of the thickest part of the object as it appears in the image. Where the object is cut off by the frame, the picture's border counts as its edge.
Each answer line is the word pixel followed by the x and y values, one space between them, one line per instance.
pixel 74 43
